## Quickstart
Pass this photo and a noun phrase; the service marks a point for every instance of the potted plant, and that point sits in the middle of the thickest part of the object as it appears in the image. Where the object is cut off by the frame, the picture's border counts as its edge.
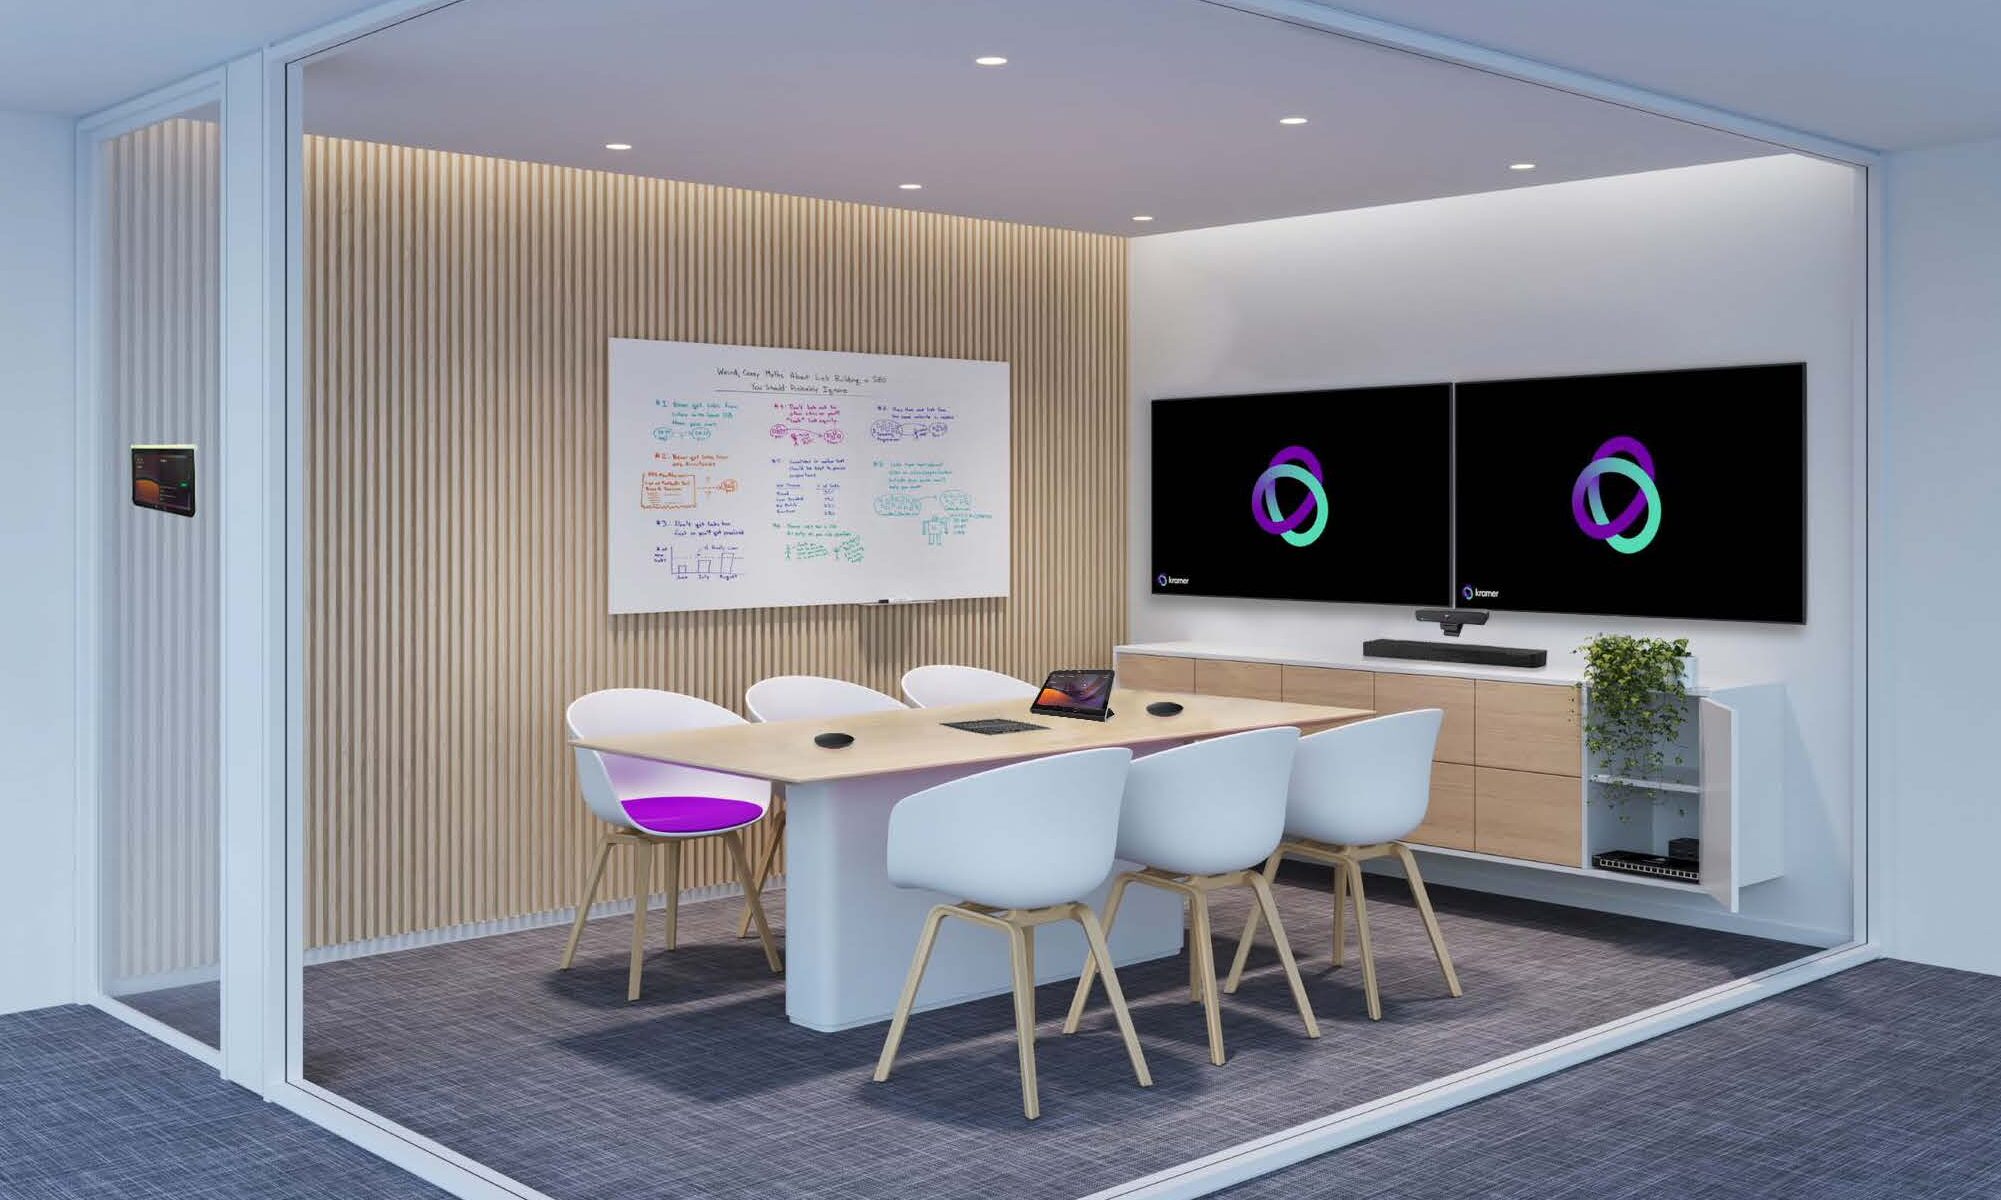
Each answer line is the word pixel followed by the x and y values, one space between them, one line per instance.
pixel 1638 692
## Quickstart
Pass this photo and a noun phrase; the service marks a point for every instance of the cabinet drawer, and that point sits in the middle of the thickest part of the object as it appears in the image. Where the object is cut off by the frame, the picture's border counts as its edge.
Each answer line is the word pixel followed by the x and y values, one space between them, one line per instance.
pixel 1156 673
pixel 1450 819
pixel 1524 814
pixel 1402 693
pixel 1529 727
pixel 1227 677
pixel 1327 685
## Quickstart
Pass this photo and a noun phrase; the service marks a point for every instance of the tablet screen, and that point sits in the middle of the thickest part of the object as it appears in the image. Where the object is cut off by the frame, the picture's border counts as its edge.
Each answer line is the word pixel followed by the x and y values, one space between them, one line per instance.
pixel 1085 693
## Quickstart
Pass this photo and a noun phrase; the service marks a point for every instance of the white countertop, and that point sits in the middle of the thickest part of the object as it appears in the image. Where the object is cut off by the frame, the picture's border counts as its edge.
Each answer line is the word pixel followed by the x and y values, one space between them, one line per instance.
pixel 1566 667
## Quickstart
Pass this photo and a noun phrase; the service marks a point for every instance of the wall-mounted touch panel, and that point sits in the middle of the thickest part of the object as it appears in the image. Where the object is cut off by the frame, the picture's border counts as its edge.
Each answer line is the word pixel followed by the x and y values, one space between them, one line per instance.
pixel 163 477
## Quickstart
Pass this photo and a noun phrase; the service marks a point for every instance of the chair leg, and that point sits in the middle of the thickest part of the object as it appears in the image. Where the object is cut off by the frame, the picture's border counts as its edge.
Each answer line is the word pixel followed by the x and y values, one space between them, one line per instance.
pixel 1251 926
pixel 1353 871
pixel 1090 972
pixel 1266 902
pixel 1095 936
pixel 1203 955
pixel 734 840
pixel 764 862
pixel 673 893
pixel 925 941
pixel 1430 918
pixel 642 892
pixel 584 905
pixel 1024 1017
pixel 1341 915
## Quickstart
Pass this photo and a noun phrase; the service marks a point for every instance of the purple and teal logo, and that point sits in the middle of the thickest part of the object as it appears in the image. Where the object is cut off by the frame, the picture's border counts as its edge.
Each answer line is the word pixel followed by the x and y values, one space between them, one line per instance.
pixel 1295 463
pixel 1587 503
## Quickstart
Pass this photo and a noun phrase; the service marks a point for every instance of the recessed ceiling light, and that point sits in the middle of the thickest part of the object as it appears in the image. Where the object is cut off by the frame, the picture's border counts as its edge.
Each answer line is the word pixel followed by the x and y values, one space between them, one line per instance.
pixel 910 187
pixel 1521 166
pixel 1142 217
pixel 618 145
pixel 990 60
pixel 1292 120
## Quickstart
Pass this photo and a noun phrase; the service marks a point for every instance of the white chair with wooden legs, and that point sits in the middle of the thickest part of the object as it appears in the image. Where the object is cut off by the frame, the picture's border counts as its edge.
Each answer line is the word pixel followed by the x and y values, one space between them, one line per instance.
pixel 943 684
pixel 649 804
pixel 1357 792
pixel 1020 844
pixel 800 698
pixel 1204 817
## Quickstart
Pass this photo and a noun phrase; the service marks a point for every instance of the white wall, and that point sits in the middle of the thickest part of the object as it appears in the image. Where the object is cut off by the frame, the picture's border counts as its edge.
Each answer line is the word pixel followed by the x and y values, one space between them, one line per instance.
pixel 1746 262
pixel 37 554
pixel 1939 561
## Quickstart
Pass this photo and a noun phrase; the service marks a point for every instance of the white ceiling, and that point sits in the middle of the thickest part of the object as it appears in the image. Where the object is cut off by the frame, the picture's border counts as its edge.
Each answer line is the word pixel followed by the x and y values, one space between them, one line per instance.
pixel 1106 109
pixel 1887 74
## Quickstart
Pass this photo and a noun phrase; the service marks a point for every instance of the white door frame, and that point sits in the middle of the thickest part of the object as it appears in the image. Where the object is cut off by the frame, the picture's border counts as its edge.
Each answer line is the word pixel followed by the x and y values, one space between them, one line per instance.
pixel 263 726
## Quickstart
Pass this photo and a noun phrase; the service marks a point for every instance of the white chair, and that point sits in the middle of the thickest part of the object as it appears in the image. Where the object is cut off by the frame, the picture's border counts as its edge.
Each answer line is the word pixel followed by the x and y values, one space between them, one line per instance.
pixel 1357 791
pixel 800 698
pixel 648 804
pixel 1020 843
pixel 1203 817
pixel 943 684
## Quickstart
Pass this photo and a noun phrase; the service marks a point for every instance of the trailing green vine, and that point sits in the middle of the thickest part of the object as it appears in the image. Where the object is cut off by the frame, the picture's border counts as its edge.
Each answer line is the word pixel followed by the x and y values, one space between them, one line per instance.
pixel 1637 704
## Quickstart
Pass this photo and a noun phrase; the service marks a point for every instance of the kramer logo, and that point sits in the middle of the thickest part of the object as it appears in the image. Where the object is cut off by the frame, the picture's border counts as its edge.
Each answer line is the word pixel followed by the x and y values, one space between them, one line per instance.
pixel 1469 592
pixel 1166 580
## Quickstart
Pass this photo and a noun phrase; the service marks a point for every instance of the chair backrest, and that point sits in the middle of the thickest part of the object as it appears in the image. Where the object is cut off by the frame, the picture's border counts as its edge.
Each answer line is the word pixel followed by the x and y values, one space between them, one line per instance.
pixel 607 779
pixel 1028 835
pixel 799 697
pixel 1210 806
pixel 941 684
pixel 1364 783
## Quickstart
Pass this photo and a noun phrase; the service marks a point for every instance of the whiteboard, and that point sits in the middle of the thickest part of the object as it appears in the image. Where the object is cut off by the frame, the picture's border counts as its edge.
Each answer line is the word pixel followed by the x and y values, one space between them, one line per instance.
pixel 749 477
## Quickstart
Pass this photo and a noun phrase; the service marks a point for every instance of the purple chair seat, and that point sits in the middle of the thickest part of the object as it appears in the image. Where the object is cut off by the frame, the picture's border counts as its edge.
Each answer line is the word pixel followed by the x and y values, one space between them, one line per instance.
pixel 689 814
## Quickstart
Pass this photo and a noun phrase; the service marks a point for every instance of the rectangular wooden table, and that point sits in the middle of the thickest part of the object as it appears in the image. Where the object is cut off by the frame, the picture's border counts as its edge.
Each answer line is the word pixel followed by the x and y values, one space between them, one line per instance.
pixel 849 932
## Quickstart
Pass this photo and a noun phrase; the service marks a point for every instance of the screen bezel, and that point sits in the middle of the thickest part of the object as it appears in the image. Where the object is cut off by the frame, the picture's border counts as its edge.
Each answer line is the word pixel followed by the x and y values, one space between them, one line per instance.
pixel 1088 714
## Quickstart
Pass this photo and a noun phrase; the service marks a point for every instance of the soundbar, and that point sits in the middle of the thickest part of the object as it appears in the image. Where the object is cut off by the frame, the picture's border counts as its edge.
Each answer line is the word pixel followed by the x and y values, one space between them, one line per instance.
pixel 1456 652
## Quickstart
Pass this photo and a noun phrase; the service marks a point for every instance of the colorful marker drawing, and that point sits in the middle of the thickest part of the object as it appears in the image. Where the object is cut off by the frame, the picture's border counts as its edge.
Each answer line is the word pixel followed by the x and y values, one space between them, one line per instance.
pixel 806 435
pixel 903 504
pixel 714 561
pixel 689 433
pixel 888 429
pixel 806 551
pixel 676 489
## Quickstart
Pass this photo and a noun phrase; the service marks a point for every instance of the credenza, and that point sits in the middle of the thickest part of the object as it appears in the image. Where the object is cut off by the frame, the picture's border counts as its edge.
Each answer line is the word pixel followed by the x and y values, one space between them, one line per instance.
pixel 1511 781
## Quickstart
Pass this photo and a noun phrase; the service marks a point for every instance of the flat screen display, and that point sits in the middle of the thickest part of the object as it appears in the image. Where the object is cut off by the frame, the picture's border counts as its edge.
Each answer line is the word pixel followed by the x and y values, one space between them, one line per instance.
pixel 1678 494
pixel 163 478
pixel 1075 694
pixel 1338 495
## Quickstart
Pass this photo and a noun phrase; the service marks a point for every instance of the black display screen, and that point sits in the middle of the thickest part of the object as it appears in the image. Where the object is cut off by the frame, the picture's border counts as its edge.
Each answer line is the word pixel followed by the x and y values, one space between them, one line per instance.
pixel 1676 494
pixel 1327 495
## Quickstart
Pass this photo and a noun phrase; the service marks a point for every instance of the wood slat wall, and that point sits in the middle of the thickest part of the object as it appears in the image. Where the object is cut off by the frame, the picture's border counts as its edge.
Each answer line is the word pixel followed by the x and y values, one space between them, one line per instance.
pixel 457 312
pixel 160 345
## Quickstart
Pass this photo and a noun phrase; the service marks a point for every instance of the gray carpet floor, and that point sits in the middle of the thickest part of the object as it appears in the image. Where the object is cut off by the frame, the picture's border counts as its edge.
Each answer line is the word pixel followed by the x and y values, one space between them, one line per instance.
pixel 704 1089
pixel 194 1009
pixel 92 1109
pixel 1884 1081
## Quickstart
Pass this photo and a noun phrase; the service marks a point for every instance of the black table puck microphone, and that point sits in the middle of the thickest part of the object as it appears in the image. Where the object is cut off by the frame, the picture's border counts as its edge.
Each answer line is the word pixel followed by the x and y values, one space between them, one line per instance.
pixel 833 741
pixel 1163 708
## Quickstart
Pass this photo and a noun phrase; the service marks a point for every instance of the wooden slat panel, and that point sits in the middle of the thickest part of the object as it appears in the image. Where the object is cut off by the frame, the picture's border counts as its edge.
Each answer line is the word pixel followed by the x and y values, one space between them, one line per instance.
pixel 1399 692
pixel 1529 727
pixel 457 315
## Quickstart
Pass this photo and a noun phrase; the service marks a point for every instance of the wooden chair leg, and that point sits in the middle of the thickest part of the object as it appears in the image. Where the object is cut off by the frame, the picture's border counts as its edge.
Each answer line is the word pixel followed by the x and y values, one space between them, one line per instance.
pixel 1095 936
pixel 734 840
pixel 1090 973
pixel 674 893
pixel 642 894
pixel 764 862
pixel 1341 915
pixel 1353 871
pixel 925 941
pixel 1203 955
pixel 1251 926
pixel 1430 918
pixel 1261 891
pixel 1024 1017
pixel 584 904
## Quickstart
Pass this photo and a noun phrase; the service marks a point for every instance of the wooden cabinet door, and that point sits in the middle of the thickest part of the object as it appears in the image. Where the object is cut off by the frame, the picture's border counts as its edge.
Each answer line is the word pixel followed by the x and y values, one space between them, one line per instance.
pixel 1450 819
pixel 1327 685
pixel 1529 727
pixel 1156 673
pixel 1397 692
pixel 1227 677
pixel 1524 814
